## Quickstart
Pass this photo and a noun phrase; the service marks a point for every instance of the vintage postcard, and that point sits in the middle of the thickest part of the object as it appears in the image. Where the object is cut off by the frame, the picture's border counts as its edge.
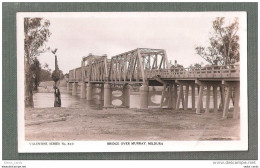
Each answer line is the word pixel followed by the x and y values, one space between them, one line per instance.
pixel 132 81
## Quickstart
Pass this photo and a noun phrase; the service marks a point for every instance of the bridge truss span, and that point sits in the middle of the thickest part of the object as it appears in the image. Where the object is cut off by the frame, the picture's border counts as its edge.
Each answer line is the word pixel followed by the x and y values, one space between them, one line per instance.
pixel 131 66
pixel 147 68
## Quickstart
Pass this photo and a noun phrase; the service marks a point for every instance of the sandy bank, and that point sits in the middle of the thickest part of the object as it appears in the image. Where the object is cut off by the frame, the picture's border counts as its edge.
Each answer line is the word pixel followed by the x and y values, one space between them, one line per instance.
pixel 127 124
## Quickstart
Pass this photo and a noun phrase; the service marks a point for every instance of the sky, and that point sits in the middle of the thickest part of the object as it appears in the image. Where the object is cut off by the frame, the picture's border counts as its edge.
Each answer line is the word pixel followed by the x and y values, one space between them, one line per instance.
pixel 78 35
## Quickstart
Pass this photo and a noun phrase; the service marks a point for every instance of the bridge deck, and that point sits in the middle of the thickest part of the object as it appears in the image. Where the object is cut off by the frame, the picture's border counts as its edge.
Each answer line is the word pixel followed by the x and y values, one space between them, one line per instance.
pixel 206 73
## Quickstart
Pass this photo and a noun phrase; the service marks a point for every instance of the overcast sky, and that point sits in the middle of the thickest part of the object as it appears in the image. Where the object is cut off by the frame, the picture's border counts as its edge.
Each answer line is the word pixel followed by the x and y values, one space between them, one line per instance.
pixel 115 33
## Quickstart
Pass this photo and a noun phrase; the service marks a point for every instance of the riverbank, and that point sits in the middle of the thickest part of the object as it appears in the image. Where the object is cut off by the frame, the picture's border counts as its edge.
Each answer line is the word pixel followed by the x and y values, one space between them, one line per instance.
pixel 126 124
pixel 47 87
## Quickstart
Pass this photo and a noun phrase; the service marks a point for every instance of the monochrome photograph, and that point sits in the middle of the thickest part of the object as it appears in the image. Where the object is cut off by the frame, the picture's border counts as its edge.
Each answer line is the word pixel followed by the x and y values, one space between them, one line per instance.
pixel 132 81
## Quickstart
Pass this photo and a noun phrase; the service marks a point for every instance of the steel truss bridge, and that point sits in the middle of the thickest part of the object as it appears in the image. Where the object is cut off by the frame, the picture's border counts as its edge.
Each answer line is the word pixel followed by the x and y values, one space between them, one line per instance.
pixel 146 68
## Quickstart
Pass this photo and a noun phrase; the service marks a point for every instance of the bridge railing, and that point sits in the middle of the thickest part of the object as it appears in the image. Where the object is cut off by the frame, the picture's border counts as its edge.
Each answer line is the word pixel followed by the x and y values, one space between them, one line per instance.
pixel 231 71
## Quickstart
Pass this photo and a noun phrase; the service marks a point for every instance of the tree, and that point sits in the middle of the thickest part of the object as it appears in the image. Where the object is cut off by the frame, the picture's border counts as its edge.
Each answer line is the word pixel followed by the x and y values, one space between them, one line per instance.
pixel 35 69
pixel 224 46
pixel 46 67
pixel 56 73
pixel 45 73
pixel 36 32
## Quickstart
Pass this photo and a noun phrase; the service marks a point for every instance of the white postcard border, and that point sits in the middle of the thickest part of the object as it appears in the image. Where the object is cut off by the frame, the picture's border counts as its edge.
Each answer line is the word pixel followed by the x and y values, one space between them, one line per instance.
pixel 101 146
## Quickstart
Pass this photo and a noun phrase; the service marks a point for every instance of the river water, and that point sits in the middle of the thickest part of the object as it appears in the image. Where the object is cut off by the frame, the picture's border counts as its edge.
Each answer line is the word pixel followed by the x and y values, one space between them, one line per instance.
pixel 43 100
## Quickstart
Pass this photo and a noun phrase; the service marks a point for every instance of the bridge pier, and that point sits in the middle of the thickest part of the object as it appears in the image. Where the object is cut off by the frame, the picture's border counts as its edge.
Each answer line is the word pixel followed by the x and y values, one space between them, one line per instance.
pixel 230 86
pixel 107 95
pixel 237 98
pixel 199 103
pixel 170 96
pixel 227 101
pixel 222 97
pixel 198 86
pixel 180 96
pixel 83 90
pixel 215 98
pixel 207 99
pixel 163 96
pixel 186 97
pixel 183 95
pixel 68 86
pixel 89 91
pixel 193 96
pixel 144 94
pixel 101 92
pixel 208 84
pixel 74 88
pixel 175 95
pixel 126 96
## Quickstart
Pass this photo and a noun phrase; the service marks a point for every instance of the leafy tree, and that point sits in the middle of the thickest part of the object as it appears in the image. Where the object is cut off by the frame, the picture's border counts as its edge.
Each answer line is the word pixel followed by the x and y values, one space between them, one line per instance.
pixel 224 46
pixel 45 73
pixel 46 67
pixel 36 32
pixel 57 75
